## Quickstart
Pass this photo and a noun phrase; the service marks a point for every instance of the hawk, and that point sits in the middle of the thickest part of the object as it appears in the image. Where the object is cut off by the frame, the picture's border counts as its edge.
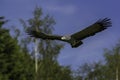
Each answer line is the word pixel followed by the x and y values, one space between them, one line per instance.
pixel 75 39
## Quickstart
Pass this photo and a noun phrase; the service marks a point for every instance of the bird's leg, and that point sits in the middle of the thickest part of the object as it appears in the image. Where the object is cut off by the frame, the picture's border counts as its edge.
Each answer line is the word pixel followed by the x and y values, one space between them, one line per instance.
pixel 73 43
pixel 76 43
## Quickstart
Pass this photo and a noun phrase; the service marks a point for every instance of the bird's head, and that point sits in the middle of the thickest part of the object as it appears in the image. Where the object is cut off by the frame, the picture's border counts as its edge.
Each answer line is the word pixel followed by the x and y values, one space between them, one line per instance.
pixel 66 37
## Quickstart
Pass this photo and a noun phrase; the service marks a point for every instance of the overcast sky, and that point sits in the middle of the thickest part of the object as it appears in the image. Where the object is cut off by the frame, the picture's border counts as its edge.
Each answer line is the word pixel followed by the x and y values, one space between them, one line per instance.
pixel 72 16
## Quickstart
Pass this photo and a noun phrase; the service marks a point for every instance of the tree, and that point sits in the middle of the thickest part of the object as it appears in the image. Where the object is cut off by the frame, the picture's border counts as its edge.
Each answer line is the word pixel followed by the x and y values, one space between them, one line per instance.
pixel 108 70
pixel 48 67
pixel 13 61
pixel 112 58
pixel 89 72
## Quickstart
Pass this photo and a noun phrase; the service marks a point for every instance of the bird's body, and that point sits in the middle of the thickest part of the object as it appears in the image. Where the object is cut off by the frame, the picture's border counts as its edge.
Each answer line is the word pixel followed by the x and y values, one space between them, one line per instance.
pixel 74 39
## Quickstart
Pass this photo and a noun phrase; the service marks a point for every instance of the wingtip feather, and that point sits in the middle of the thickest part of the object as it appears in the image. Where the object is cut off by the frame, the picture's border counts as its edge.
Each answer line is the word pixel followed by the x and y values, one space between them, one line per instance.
pixel 106 22
pixel 30 32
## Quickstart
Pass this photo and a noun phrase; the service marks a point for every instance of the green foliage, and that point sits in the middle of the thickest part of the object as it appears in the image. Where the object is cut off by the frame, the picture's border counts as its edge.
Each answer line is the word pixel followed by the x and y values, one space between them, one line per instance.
pixel 13 61
pixel 17 55
pixel 108 70
pixel 48 67
pixel 53 71
pixel 112 58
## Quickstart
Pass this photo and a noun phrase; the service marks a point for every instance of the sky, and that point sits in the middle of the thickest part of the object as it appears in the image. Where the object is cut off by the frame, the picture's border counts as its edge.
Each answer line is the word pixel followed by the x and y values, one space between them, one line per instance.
pixel 72 16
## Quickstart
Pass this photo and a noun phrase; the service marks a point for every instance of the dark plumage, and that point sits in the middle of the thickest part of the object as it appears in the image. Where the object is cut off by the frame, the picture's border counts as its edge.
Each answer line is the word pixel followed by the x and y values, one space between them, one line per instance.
pixel 74 39
pixel 2 21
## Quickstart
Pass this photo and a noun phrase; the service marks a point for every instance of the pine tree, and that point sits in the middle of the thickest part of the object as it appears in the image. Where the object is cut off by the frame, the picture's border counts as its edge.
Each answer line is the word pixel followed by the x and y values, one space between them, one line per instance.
pixel 14 63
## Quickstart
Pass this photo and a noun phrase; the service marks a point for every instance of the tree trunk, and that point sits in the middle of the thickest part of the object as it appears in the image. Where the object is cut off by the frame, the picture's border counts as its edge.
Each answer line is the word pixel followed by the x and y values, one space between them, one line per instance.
pixel 116 73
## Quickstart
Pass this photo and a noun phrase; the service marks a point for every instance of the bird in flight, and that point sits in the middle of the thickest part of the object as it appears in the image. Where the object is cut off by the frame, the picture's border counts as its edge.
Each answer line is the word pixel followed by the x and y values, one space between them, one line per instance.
pixel 75 39
pixel 2 21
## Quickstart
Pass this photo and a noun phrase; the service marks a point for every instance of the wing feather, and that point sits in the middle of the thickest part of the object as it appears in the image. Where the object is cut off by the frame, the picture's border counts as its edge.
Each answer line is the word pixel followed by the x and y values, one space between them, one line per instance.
pixel 99 26
pixel 39 34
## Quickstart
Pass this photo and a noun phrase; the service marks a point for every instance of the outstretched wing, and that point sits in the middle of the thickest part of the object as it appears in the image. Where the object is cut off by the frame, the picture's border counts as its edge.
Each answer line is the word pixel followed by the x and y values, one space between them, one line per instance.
pixel 38 34
pixel 99 26
pixel 2 21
